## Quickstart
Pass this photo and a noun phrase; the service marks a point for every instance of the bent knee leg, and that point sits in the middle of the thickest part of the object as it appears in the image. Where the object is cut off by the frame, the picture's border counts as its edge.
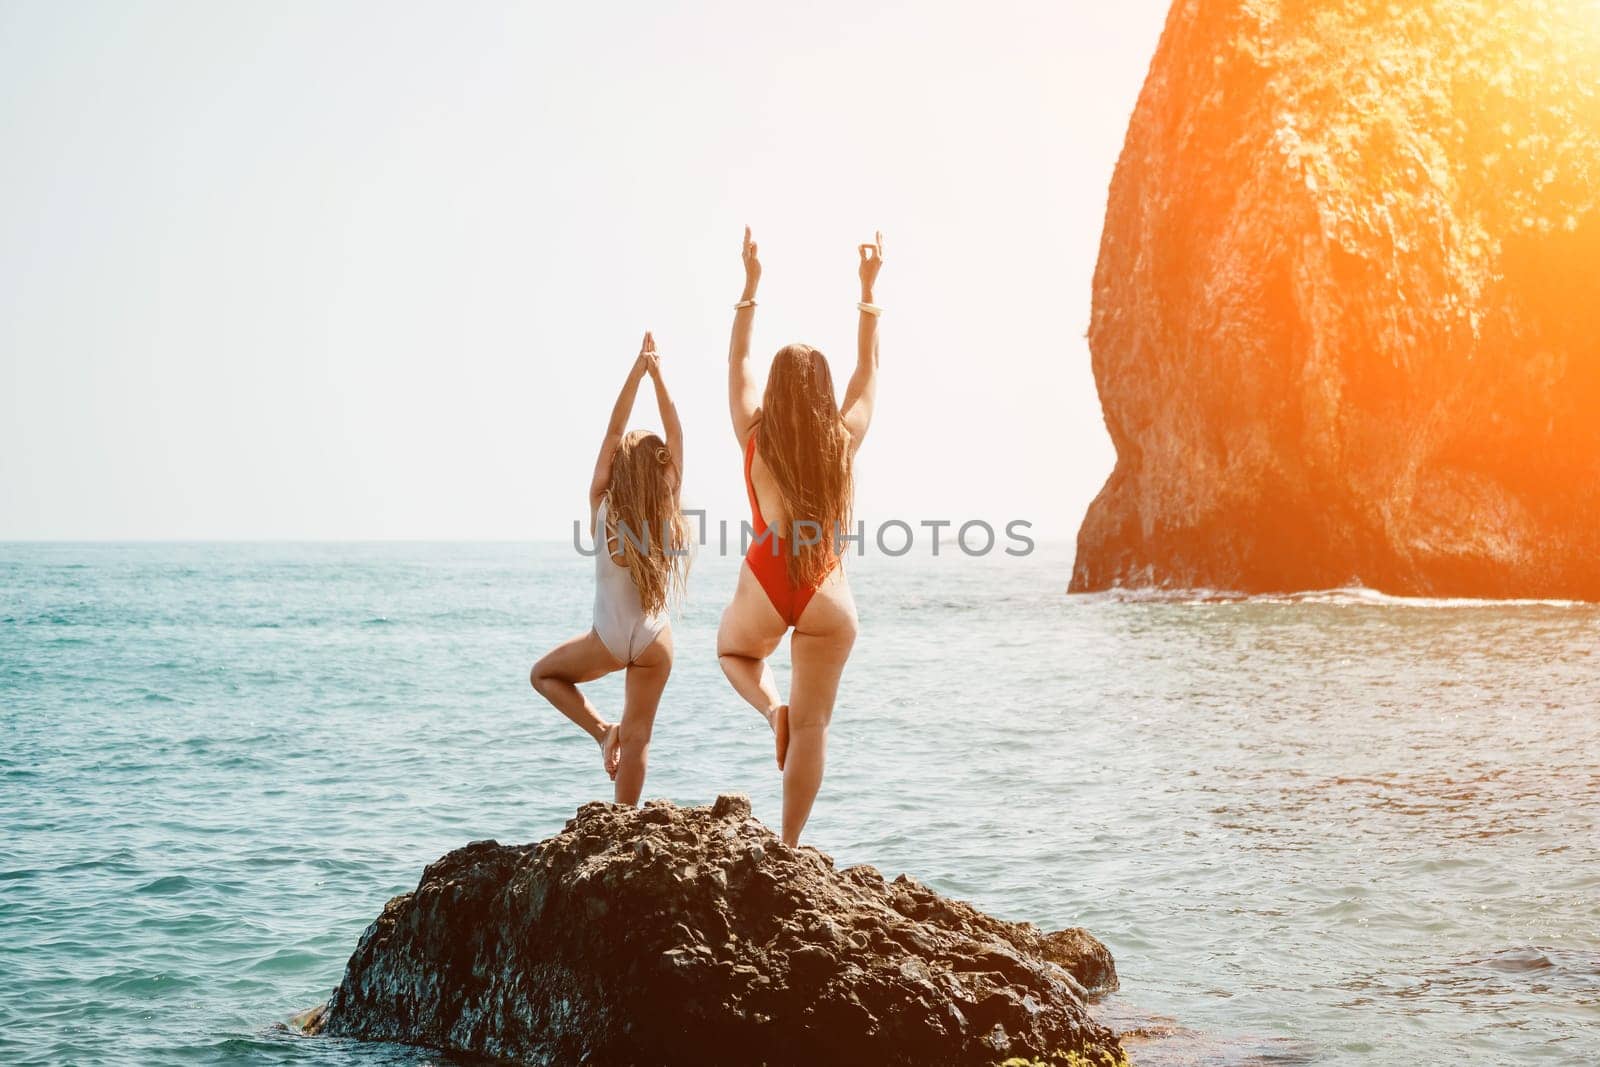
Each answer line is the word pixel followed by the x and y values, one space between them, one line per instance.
pixel 547 672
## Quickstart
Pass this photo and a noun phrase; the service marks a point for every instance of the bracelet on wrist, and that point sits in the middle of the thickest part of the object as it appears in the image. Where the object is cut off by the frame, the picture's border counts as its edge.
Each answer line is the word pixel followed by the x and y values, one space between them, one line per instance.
pixel 741 305
pixel 870 309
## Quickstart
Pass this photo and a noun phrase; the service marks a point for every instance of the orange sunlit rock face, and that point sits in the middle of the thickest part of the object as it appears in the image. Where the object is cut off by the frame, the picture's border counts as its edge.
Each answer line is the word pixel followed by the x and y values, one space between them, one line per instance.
pixel 1346 322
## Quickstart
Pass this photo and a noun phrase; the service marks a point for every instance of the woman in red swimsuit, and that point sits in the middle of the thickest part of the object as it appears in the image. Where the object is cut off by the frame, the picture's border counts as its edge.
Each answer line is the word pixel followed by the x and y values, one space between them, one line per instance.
pixel 799 448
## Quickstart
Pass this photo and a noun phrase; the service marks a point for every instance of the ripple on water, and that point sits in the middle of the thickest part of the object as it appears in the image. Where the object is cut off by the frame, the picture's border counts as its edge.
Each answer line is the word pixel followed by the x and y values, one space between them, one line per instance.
pixel 287 961
pixel 136 982
pixel 168 885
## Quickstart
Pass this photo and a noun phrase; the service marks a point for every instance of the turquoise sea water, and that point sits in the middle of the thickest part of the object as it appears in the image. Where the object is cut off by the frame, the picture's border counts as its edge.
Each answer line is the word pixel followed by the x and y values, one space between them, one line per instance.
pixel 1324 829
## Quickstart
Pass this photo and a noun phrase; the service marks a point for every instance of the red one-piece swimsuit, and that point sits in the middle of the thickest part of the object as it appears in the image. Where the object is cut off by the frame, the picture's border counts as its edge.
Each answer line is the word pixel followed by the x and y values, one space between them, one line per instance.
pixel 767 555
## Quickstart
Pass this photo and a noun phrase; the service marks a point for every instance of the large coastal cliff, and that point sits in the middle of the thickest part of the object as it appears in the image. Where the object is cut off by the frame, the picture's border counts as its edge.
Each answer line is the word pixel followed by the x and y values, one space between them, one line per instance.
pixel 1346 317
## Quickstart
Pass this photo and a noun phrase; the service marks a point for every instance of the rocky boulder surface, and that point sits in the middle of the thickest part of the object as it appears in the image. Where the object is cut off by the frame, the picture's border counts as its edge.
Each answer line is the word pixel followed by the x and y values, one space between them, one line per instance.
pixel 1346 316
pixel 667 935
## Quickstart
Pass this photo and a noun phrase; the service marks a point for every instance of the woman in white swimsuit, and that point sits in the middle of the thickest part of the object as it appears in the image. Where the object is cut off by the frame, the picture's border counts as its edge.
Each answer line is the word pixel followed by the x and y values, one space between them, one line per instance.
pixel 634 513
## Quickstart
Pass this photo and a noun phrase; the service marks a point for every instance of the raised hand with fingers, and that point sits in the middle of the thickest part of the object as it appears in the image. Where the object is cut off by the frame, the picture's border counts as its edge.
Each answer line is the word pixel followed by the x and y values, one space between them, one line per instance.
pixel 752 267
pixel 871 263
pixel 649 361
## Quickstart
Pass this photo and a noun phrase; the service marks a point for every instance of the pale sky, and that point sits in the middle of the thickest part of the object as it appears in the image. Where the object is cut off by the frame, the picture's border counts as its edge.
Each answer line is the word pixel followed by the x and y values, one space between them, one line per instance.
pixel 376 270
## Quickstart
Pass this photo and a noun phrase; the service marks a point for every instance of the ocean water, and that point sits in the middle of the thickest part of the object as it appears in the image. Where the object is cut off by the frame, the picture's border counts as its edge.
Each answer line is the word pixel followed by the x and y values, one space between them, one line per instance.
pixel 1326 829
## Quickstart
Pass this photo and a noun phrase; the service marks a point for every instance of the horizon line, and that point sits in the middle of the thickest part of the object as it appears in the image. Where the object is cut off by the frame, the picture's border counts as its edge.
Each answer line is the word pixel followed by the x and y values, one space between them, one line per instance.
pixel 329 541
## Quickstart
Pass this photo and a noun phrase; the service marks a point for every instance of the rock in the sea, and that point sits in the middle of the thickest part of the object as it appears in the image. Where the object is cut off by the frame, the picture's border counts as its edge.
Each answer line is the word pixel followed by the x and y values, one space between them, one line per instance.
pixel 1346 319
pixel 667 935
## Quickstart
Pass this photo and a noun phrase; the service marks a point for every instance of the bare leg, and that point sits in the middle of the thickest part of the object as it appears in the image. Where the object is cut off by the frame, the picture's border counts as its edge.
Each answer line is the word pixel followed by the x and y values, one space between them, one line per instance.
pixel 556 676
pixel 647 677
pixel 752 679
pixel 751 630
pixel 820 646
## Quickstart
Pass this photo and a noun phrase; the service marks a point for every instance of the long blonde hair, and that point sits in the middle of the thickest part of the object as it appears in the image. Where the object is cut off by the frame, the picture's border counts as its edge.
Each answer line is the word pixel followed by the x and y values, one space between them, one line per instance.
pixel 805 445
pixel 644 521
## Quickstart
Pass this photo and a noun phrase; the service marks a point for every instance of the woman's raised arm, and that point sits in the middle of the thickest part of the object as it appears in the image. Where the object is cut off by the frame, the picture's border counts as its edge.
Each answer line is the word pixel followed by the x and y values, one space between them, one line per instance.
pixel 669 411
pixel 863 388
pixel 743 398
pixel 617 427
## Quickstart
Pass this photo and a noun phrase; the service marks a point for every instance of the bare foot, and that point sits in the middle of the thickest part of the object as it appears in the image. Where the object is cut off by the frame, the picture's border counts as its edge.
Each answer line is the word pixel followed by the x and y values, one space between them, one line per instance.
pixel 611 749
pixel 779 721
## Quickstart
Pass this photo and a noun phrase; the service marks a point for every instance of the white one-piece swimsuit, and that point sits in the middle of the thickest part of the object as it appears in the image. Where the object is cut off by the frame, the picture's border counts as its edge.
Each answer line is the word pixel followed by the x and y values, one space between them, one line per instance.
pixel 619 615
